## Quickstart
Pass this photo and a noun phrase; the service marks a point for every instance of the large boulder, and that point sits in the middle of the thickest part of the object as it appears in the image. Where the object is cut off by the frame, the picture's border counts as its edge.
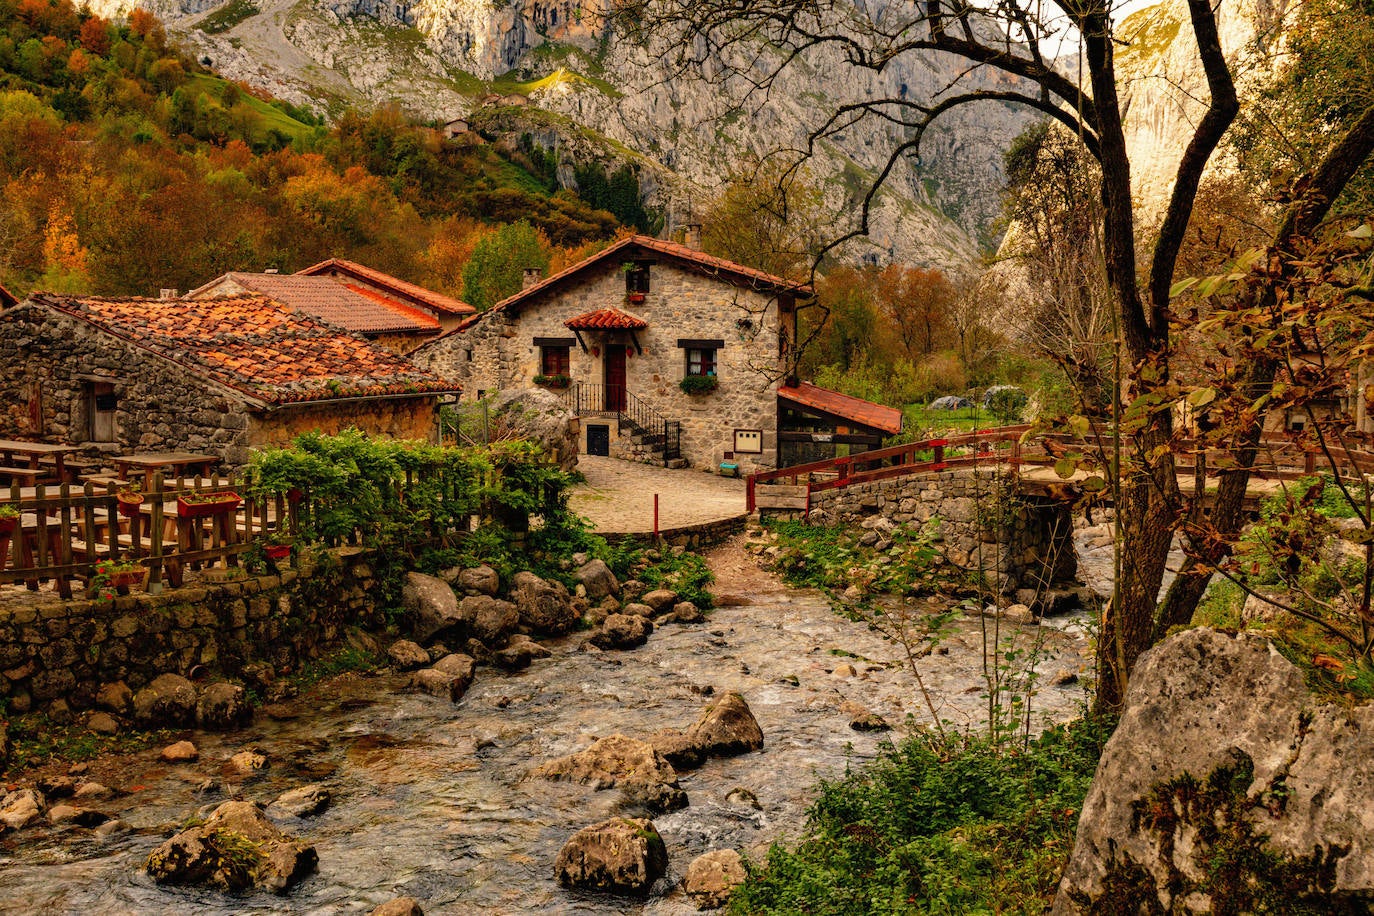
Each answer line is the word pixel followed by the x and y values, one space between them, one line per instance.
pixel 407 655
pixel 713 877
pixel 168 702
pixel 539 416
pixel 223 706
pixel 478 580
pixel 116 698
pixel 432 605
pixel 660 599
pixel 21 808
pixel 449 677
pixel 488 619
pixel 620 856
pixel 545 607
pixel 622 631
pixel 235 849
pixel 628 764
pixel 1226 784
pixel 519 654
pixel 724 729
pixel 596 577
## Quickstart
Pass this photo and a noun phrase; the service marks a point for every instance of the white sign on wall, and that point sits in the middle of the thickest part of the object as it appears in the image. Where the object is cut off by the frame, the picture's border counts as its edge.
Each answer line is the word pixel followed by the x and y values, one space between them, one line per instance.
pixel 749 441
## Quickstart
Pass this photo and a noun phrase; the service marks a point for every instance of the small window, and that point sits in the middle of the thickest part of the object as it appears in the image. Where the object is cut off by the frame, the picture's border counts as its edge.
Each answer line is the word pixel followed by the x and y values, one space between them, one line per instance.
pixel 637 278
pixel 701 361
pixel 554 360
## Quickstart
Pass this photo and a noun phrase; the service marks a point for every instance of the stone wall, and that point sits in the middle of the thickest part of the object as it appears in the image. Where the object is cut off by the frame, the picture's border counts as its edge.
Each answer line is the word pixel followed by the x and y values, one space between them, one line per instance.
pixel 52 650
pixel 499 352
pixel 48 360
pixel 983 523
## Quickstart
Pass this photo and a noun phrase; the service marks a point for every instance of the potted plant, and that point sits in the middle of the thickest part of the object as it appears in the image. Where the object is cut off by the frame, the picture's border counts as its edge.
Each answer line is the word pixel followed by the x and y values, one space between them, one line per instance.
pixel 698 384
pixel 115 575
pixel 634 298
pixel 130 501
pixel 277 545
pixel 9 517
pixel 552 381
pixel 203 505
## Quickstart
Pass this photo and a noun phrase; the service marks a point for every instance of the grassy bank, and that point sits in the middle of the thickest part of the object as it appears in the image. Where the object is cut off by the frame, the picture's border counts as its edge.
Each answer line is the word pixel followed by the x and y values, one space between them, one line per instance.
pixel 958 826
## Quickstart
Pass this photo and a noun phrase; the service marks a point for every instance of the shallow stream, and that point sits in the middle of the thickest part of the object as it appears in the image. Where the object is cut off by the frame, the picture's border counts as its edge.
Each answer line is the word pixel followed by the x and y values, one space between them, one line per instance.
pixel 431 799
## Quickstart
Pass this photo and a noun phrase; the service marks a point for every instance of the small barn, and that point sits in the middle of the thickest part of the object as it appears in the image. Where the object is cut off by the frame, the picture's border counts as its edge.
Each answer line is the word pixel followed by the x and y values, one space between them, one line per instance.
pixel 218 376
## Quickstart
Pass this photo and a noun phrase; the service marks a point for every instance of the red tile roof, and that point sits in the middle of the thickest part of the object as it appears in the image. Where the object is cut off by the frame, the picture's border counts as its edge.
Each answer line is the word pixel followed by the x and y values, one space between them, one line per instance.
pixel 438 301
pixel 865 413
pixel 608 319
pixel 708 264
pixel 255 345
pixel 353 308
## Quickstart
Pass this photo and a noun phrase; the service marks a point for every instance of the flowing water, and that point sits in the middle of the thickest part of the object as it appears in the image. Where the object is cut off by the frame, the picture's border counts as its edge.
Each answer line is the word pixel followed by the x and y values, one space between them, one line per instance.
pixel 431 799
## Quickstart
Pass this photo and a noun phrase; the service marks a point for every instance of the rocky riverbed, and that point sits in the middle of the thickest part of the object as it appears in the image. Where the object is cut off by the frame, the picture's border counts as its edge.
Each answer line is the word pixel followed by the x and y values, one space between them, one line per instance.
pixel 435 799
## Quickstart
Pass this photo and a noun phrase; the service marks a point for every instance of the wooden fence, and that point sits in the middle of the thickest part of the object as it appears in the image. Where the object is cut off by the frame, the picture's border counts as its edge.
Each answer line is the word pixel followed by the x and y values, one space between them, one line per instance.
pixel 62 533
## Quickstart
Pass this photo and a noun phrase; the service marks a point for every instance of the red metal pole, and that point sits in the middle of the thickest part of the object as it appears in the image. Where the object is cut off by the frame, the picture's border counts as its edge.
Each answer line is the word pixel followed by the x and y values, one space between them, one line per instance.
pixel 655 516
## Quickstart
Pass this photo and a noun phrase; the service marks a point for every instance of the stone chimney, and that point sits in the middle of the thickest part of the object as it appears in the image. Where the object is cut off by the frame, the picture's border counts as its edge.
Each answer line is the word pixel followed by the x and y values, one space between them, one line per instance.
pixel 532 276
pixel 691 236
pixel 165 293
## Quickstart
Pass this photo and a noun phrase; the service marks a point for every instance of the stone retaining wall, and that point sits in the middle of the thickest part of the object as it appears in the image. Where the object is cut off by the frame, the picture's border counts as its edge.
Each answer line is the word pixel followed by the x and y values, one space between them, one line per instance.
pixel 1022 541
pixel 64 651
pixel 693 537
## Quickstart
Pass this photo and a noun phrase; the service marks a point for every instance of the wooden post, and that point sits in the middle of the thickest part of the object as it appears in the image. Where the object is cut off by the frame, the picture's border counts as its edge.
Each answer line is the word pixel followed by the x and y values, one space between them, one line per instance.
pixel 749 504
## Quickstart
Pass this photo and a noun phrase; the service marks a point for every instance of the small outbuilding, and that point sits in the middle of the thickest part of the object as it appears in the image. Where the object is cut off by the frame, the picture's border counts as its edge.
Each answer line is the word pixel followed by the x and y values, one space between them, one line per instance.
pixel 218 376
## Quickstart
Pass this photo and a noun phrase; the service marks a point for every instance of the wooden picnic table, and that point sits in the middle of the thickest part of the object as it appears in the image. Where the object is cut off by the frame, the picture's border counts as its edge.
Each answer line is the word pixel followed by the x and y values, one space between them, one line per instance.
pixel 152 462
pixel 20 456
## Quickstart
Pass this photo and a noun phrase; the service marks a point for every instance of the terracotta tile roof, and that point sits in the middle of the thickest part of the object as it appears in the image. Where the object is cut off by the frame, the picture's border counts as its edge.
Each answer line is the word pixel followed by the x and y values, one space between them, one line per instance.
pixel 726 270
pixel 865 413
pixel 351 308
pixel 7 298
pixel 438 301
pixel 609 319
pixel 263 348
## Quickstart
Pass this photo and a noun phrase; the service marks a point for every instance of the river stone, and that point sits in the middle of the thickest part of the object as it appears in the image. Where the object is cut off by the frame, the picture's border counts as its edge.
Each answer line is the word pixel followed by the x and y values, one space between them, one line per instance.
pixel 620 856
pixel 713 877
pixel 432 604
pixel 406 655
pixel 360 640
pixel 223 706
pixel 248 761
pixel 545 607
pixel 678 747
pixel 74 814
pixel 660 599
pixel 620 762
pixel 21 808
pixel 479 580
pixel 1229 714
pixel 307 801
pixel 116 698
pixel 401 906
pixel 180 752
pixel 88 790
pixel 636 609
pixel 169 701
pixel 446 679
pixel 685 612
pixel 596 577
pixel 727 727
pixel 488 619
pixel 622 631
pixel 102 723
pixel 519 654
pixel 236 848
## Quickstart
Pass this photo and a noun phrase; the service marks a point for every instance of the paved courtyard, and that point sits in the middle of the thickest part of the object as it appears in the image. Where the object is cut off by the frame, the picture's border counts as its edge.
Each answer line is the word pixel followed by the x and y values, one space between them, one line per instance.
pixel 618 496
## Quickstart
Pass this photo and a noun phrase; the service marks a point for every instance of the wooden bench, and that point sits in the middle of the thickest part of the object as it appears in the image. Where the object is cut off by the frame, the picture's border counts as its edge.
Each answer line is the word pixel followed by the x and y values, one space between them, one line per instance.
pixel 25 476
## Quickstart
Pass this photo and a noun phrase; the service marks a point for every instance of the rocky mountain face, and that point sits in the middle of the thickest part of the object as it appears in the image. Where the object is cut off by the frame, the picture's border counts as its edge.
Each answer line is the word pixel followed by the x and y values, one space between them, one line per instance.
pixel 555 69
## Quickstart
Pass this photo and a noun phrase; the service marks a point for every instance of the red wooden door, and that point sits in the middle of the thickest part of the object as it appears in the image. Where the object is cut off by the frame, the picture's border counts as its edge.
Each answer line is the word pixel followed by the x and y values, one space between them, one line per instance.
pixel 615 377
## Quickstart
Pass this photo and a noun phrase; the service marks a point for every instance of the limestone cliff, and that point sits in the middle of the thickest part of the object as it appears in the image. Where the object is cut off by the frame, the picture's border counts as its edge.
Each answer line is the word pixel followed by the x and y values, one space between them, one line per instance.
pixel 552 68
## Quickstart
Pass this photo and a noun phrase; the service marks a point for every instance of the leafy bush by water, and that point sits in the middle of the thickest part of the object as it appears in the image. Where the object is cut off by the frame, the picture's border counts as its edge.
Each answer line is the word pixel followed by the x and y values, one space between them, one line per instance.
pixel 953 826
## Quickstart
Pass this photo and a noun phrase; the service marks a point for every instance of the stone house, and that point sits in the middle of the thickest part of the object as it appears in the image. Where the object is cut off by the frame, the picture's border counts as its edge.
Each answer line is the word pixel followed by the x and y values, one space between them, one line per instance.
pixel 666 352
pixel 217 376
pixel 398 315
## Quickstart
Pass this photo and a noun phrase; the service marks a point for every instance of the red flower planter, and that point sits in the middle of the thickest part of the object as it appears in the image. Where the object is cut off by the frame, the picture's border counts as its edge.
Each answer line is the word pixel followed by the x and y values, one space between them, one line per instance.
pixel 129 504
pixel 208 504
pixel 7 526
pixel 126 579
pixel 635 298
pixel 277 551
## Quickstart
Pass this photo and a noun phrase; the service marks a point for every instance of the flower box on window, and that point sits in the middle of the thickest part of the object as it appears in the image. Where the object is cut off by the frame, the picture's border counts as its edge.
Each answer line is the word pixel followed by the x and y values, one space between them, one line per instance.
pixel 698 384
pixel 552 381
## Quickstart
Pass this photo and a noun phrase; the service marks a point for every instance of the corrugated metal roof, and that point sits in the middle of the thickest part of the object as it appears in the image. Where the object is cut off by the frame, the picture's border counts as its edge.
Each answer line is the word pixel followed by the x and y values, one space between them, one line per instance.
pixel 865 413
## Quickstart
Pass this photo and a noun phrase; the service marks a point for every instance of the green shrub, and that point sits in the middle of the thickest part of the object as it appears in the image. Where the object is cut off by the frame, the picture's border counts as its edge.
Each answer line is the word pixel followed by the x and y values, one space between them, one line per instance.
pixel 936 827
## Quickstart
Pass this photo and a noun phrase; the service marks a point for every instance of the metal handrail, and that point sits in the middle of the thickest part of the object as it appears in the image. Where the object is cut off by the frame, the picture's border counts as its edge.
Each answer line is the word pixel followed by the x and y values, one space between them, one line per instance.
pixel 629 410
